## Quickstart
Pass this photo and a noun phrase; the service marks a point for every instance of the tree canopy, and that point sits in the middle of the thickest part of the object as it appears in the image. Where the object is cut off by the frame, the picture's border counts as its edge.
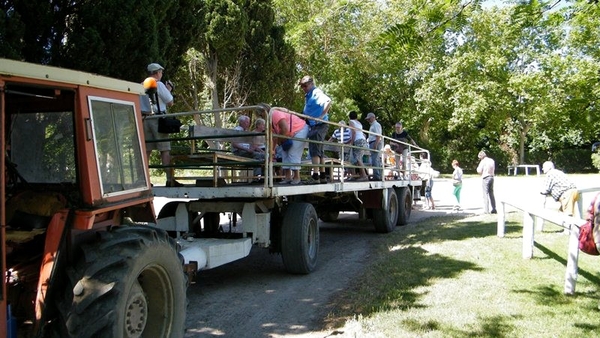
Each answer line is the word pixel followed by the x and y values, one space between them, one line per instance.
pixel 516 78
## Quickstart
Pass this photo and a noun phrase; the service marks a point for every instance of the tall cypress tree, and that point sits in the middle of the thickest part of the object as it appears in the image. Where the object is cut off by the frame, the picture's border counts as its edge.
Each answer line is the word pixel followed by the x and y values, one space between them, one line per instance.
pixel 108 37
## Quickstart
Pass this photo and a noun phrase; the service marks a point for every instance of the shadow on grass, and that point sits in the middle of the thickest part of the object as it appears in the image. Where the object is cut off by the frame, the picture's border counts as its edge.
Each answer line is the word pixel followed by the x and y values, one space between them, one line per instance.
pixel 494 326
pixel 394 283
pixel 406 267
pixel 430 230
pixel 589 276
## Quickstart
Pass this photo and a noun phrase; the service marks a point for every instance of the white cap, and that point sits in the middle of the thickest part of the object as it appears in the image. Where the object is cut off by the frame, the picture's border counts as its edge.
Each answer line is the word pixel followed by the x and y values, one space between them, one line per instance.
pixel 370 115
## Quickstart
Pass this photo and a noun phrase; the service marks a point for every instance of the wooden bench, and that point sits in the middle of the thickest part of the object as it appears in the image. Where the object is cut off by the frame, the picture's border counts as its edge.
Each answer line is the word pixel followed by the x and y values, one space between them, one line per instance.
pixel 213 158
pixel 216 161
pixel 532 219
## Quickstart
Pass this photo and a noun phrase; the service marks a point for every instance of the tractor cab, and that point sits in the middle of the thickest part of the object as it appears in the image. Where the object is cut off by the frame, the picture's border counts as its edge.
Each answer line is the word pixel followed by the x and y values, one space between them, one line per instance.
pixel 73 166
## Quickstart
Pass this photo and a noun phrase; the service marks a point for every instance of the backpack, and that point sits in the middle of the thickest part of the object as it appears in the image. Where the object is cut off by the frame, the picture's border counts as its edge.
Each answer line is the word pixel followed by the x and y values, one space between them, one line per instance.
pixel 590 231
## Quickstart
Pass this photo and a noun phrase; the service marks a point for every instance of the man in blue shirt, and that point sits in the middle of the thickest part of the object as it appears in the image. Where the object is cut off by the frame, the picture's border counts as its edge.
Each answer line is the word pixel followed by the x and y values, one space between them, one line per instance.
pixel 316 105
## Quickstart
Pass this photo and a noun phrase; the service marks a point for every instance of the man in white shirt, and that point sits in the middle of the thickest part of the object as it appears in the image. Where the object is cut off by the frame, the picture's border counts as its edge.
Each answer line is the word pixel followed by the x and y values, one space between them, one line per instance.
pixel 375 144
pixel 165 99
pixel 486 169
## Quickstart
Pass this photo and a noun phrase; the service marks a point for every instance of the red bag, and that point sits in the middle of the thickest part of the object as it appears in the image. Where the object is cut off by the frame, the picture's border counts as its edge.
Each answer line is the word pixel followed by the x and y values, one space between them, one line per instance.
pixel 587 243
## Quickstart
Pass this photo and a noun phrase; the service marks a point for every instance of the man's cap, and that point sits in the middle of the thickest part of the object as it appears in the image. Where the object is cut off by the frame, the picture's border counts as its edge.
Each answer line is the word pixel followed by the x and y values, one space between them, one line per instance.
pixel 305 79
pixel 153 67
pixel 370 115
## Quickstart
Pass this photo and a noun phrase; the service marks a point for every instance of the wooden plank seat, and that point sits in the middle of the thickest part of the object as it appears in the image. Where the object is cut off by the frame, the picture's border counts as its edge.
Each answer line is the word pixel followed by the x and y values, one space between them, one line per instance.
pixel 216 161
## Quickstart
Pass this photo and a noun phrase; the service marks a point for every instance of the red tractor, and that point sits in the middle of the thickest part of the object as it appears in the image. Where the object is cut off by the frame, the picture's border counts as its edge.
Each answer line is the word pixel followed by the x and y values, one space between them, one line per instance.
pixel 79 257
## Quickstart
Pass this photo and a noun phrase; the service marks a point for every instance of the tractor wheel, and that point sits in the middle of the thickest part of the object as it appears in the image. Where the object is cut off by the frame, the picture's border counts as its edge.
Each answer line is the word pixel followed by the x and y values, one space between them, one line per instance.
pixel 129 283
pixel 300 238
pixel 385 219
pixel 405 205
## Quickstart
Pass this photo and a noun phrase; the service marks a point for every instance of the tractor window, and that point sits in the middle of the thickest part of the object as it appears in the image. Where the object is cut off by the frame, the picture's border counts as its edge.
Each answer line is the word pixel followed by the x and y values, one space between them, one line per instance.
pixel 118 147
pixel 42 147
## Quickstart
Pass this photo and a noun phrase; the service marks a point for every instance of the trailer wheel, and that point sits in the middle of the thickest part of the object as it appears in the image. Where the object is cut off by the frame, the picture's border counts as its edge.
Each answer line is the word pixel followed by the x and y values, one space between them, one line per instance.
pixel 129 283
pixel 300 238
pixel 329 216
pixel 385 219
pixel 405 205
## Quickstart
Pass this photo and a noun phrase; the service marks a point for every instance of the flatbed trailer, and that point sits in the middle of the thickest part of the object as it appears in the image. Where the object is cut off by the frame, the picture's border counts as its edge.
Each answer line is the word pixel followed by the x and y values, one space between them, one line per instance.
pixel 281 217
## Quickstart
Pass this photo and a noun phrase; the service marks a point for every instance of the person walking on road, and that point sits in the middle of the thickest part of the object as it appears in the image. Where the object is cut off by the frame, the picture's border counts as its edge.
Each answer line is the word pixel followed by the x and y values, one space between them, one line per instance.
pixel 560 187
pixel 487 168
pixel 457 176
pixel 427 174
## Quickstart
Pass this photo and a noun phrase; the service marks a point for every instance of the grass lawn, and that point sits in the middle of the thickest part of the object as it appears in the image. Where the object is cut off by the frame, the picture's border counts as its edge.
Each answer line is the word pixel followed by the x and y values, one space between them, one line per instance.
pixel 451 277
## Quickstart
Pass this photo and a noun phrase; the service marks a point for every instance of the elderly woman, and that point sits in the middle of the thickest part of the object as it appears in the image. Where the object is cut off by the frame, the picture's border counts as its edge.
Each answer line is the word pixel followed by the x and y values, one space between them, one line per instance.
pixel 286 124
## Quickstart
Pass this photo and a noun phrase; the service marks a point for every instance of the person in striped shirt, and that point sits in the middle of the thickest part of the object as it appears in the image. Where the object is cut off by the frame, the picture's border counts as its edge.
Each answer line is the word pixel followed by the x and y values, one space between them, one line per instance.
pixel 560 187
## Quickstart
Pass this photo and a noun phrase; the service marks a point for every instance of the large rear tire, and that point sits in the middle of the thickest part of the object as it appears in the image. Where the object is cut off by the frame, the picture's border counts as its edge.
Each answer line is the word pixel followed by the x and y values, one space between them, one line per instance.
pixel 385 219
pixel 300 238
pixel 129 283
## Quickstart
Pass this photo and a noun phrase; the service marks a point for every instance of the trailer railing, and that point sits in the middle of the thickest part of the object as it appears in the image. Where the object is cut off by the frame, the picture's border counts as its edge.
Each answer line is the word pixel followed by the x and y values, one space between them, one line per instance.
pixel 208 161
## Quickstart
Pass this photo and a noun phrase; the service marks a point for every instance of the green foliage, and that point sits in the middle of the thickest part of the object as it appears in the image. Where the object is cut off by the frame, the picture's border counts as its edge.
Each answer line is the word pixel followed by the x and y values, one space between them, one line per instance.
pixel 573 160
pixel 108 37
pixel 596 160
pixel 519 80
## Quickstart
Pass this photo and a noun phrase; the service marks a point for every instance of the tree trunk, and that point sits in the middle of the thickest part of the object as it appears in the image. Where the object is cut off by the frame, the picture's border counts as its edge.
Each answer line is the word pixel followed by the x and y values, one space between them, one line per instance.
pixel 522 138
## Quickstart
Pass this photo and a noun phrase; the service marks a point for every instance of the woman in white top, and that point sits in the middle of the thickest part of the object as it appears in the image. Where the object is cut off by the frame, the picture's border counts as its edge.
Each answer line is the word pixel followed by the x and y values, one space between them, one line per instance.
pixel 359 140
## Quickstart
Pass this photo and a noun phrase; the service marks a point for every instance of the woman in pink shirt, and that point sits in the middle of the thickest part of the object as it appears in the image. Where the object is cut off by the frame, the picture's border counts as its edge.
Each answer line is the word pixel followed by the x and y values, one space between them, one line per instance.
pixel 284 123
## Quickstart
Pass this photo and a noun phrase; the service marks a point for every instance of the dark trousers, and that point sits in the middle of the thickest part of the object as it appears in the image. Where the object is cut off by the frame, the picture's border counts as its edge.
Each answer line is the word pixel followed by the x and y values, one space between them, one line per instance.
pixel 488 194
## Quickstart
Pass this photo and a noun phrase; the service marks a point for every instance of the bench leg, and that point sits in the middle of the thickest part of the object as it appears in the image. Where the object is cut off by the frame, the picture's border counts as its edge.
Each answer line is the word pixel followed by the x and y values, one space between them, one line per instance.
pixel 528 224
pixel 539 224
pixel 572 259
